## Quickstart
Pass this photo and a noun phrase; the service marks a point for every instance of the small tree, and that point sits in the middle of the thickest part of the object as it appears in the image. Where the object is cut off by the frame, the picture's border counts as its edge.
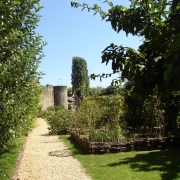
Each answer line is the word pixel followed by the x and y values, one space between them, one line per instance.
pixel 79 77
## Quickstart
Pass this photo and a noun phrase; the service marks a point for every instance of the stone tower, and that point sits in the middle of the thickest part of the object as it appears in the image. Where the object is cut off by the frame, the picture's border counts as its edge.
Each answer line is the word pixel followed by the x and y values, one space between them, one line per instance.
pixel 60 96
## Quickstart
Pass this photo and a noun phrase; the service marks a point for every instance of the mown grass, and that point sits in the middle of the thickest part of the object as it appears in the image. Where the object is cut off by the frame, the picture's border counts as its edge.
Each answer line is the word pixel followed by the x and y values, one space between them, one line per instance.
pixel 146 165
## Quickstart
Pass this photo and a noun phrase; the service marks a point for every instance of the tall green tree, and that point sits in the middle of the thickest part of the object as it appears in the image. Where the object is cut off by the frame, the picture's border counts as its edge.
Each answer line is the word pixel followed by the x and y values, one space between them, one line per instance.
pixel 79 77
pixel 20 55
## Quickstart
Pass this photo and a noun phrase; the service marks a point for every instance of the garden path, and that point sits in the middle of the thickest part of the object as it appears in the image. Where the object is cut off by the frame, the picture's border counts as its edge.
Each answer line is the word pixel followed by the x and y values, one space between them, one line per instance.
pixel 47 158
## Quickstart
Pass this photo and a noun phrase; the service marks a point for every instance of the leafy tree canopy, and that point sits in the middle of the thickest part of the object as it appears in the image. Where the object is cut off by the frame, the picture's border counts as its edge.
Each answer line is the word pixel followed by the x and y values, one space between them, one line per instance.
pixel 157 60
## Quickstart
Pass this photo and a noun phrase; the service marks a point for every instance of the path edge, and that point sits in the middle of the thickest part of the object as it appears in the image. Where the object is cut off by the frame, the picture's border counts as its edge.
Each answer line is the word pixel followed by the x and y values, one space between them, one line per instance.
pixel 18 161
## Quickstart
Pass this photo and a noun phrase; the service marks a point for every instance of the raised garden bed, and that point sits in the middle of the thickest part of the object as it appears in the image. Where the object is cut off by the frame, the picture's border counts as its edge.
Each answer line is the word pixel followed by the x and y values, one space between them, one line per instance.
pixel 141 144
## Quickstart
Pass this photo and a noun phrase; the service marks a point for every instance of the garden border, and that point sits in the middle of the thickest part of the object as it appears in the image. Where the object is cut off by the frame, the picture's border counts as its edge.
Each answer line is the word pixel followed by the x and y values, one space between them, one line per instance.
pixel 141 144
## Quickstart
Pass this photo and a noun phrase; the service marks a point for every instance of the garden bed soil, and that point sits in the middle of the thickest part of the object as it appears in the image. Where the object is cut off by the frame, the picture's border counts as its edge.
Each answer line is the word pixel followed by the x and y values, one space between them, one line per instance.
pixel 141 144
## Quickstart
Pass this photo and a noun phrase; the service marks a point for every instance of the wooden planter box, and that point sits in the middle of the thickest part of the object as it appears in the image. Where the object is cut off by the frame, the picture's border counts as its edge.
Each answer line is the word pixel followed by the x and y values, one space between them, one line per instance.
pixel 142 144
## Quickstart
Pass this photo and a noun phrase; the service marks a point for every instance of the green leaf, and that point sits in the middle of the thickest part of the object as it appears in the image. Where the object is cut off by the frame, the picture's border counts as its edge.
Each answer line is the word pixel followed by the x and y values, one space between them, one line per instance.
pixel 17 2
pixel 141 55
pixel 110 3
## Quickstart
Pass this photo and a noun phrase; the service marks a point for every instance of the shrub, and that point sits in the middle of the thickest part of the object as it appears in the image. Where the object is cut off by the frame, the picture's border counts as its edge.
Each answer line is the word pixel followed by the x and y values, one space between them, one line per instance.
pixel 99 119
pixel 20 55
pixel 61 122
pixel 55 108
pixel 51 110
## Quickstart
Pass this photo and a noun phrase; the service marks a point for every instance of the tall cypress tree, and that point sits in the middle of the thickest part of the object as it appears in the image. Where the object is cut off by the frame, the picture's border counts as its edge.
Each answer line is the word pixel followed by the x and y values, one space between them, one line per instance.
pixel 79 77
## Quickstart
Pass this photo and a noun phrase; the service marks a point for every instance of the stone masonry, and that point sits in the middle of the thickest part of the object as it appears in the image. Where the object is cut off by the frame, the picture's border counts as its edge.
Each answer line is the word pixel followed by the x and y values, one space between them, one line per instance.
pixel 54 95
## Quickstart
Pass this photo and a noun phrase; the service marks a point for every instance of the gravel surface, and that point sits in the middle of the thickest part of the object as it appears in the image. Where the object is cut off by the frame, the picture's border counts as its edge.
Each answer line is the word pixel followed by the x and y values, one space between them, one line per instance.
pixel 47 158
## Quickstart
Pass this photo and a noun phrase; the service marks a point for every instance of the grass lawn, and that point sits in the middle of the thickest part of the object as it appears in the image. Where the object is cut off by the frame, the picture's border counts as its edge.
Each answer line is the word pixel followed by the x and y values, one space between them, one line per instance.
pixel 8 160
pixel 7 163
pixel 147 165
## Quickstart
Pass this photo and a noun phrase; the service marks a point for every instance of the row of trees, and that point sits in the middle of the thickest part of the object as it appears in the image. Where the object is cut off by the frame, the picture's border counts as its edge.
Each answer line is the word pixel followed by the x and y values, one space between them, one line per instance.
pixel 20 55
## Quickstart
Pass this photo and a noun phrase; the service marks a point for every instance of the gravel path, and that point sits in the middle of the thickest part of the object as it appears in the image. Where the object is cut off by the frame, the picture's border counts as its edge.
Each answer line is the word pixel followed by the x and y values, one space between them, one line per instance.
pixel 47 158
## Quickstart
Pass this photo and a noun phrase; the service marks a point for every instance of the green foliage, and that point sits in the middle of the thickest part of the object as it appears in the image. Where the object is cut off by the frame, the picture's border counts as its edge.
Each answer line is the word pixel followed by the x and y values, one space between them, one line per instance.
pixel 40 111
pixel 132 114
pixel 154 116
pixel 110 90
pixel 61 122
pixel 69 91
pixel 55 108
pixel 171 108
pixel 96 91
pixel 79 77
pixel 20 55
pixel 156 61
pixel 51 110
pixel 8 163
pixel 99 119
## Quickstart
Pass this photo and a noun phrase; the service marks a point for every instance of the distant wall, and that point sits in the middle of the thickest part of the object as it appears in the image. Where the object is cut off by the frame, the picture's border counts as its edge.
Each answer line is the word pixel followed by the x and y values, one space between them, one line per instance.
pixel 54 95
pixel 60 96
pixel 47 97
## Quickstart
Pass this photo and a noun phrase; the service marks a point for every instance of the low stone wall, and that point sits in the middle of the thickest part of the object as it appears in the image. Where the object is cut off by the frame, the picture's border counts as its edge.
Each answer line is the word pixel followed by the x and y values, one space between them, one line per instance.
pixel 142 144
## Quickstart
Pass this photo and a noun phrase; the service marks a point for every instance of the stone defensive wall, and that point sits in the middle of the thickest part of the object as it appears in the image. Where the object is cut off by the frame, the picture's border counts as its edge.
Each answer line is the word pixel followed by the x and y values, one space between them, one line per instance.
pixel 47 99
pixel 54 95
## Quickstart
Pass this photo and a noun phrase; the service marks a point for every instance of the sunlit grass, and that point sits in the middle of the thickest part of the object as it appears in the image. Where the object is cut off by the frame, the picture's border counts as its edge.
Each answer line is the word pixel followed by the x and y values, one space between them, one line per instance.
pixel 146 165
pixel 8 160
pixel 7 163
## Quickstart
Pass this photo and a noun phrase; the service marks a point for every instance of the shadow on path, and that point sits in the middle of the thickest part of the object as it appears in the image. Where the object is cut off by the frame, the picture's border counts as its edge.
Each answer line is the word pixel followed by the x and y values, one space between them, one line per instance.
pixel 47 134
pixel 60 153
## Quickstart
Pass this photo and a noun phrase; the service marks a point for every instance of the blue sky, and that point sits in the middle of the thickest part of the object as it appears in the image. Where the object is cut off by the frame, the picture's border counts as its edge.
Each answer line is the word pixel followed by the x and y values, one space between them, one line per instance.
pixel 71 32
